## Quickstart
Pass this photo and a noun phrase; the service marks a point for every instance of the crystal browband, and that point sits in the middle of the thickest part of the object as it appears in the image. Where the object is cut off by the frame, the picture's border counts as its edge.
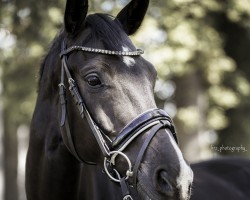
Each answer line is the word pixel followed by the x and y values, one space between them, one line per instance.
pixel 137 52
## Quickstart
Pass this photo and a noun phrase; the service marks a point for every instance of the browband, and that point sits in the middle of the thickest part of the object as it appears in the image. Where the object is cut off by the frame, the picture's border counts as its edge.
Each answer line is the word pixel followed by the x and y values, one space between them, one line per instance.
pixel 137 52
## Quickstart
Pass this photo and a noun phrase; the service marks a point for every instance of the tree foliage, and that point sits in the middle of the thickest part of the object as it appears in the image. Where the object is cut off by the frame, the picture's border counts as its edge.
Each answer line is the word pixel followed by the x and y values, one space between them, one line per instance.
pixel 200 49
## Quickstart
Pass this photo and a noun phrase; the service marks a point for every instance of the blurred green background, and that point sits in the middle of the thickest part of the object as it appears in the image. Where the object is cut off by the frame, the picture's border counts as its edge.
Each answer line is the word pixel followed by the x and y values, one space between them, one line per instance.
pixel 201 50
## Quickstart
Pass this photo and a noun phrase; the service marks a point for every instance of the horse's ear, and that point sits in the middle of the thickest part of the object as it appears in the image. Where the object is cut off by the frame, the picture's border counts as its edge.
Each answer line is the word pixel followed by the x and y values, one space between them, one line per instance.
pixel 132 15
pixel 75 14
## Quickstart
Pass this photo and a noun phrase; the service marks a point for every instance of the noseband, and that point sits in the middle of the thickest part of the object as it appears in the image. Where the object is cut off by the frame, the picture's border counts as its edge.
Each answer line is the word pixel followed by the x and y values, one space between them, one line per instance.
pixel 151 121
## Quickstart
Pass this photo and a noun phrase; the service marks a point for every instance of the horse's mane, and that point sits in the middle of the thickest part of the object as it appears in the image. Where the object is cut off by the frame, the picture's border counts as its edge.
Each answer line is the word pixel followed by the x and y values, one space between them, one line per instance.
pixel 104 28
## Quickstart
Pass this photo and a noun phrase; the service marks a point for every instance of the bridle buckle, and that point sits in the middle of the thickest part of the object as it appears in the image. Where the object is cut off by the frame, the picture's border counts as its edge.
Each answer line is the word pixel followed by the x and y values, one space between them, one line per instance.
pixel 127 197
pixel 111 160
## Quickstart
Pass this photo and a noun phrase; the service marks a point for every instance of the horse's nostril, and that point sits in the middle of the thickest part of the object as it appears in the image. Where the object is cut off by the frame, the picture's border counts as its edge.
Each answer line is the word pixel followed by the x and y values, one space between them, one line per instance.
pixel 162 183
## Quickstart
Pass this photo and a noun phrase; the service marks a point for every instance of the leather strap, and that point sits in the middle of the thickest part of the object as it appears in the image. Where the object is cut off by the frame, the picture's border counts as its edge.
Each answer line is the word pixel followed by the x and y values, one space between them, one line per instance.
pixel 82 110
pixel 68 141
pixel 139 123
pixel 63 101
pixel 139 158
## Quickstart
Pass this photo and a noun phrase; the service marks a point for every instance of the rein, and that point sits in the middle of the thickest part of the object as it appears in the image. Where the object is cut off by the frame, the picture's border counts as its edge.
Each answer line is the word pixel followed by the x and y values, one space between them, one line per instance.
pixel 151 120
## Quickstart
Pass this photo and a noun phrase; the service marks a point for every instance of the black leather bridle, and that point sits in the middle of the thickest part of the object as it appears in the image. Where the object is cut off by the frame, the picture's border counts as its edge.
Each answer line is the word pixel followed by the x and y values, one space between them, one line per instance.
pixel 151 121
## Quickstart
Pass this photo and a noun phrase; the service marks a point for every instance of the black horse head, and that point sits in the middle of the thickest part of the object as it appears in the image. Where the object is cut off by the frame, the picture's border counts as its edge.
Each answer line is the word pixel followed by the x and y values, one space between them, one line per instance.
pixel 112 87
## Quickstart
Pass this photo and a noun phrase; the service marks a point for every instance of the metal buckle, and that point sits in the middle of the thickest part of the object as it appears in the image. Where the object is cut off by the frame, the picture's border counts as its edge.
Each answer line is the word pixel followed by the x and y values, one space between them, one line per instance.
pixel 127 197
pixel 107 162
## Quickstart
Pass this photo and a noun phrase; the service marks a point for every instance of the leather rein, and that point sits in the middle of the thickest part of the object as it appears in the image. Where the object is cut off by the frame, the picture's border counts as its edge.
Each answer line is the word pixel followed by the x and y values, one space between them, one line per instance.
pixel 151 120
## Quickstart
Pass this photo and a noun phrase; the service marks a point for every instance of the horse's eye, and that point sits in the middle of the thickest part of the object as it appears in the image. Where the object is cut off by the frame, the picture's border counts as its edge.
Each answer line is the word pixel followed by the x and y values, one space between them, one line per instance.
pixel 93 80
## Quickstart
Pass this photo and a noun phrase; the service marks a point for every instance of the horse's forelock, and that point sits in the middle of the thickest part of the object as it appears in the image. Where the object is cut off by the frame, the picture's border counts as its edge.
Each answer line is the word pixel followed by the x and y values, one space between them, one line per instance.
pixel 108 30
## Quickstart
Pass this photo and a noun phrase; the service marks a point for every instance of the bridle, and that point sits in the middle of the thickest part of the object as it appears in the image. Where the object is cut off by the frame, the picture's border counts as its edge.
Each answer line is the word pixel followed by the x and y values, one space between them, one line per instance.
pixel 151 121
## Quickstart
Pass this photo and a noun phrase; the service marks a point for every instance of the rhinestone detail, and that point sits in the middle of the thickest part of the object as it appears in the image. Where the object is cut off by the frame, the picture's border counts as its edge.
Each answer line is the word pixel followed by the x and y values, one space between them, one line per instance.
pixel 137 52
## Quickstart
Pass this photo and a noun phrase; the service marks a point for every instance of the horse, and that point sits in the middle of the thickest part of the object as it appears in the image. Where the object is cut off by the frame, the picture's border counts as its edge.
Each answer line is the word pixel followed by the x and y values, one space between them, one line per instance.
pixel 221 178
pixel 96 132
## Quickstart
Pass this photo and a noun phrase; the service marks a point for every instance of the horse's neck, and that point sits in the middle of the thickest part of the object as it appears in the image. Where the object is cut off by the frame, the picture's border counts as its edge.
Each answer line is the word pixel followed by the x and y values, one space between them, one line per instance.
pixel 52 172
